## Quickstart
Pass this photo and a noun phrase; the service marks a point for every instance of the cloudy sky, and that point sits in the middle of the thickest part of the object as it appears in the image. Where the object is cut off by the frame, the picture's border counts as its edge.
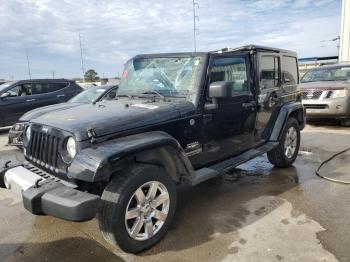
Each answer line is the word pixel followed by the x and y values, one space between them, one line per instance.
pixel 114 30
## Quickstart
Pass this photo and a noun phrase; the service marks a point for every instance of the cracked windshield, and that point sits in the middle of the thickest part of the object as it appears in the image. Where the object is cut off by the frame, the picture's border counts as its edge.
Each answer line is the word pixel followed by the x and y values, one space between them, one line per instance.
pixel 168 76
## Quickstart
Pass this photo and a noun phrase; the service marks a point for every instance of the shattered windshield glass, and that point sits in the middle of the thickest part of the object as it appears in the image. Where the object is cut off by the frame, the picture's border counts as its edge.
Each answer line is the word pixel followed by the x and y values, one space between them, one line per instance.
pixel 169 76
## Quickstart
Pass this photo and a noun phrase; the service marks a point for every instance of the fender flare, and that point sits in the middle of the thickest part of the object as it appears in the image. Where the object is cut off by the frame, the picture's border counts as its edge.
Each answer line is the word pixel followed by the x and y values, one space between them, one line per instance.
pixel 294 109
pixel 101 161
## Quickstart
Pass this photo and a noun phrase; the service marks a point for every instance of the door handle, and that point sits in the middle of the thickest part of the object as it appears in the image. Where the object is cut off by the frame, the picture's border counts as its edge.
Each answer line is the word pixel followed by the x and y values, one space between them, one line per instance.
pixel 60 95
pixel 30 100
pixel 248 105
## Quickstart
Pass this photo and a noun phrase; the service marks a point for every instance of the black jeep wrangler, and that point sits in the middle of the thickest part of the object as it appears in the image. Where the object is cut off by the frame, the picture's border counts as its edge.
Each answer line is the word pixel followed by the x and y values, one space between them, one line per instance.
pixel 178 119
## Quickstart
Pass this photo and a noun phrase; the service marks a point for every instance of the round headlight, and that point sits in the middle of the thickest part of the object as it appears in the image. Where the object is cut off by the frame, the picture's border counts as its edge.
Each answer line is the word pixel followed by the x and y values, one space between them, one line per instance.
pixel 71 147
pixel 28 133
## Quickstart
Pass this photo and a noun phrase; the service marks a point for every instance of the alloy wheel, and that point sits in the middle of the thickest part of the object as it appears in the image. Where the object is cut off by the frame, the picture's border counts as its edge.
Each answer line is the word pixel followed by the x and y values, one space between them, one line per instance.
pixel 147 210
pixel 290 142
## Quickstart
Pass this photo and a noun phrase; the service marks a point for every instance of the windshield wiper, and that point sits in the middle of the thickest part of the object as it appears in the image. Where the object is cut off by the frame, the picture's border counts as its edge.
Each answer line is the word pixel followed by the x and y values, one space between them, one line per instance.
pixel 124 95
pixel 154 93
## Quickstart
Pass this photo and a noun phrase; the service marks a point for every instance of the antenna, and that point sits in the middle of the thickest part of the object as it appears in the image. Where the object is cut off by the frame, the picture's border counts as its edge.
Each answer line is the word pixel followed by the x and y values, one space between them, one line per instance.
pixel 195 20
pixel 28 64
pixel 81 57
pixel 53 74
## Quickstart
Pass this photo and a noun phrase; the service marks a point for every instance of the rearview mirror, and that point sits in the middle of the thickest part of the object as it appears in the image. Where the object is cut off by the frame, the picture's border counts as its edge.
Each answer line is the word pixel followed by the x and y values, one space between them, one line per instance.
pixel 221 89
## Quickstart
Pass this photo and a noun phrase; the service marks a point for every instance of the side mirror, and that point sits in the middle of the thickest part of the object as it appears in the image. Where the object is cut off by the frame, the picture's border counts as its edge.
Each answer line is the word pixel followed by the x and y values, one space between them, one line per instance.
pixel 221 89
pixel 4 95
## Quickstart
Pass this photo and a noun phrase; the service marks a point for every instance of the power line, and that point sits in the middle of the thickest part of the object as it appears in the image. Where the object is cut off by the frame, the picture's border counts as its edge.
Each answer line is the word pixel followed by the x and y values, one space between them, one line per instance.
pixel 28 65
pixel 81 57
pixel 195 20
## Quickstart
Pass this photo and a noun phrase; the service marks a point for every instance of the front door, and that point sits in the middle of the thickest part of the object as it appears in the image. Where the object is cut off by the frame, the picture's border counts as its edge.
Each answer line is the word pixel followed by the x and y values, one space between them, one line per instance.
pixel 229 129
pixel 17 103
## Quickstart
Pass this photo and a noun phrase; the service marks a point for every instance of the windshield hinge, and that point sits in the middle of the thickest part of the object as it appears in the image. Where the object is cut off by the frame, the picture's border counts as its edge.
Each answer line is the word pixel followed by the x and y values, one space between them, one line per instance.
pixel 92 135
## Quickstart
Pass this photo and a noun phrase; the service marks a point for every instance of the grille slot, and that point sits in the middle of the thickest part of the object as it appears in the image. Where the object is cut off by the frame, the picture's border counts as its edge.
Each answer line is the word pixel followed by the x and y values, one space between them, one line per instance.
pixel 316 106
pixel 43 150
pixel 311 94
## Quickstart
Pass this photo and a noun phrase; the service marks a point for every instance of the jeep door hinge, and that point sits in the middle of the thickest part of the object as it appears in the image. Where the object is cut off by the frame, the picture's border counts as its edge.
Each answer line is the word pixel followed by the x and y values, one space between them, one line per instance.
pixel 91 135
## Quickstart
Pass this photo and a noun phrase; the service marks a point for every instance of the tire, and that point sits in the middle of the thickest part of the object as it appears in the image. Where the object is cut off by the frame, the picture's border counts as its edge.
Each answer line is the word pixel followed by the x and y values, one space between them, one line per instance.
pixel 279 156
pixel 2 182
pixel 345 122
pixel 120 194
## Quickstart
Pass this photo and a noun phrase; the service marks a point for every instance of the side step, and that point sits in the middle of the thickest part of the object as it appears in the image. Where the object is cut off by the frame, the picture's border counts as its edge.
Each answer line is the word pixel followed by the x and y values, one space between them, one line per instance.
pixel 206 173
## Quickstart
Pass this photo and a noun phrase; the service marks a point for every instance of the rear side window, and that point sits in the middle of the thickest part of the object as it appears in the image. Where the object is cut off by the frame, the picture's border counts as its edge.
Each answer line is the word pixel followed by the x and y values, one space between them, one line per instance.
pixel 289 70
pixel 52 87
pixel 269 72
pixel 232 69
pixel 39 88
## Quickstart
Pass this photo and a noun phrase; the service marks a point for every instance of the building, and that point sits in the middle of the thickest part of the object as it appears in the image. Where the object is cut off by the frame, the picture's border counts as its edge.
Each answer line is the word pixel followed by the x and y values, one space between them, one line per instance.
pixel 344 48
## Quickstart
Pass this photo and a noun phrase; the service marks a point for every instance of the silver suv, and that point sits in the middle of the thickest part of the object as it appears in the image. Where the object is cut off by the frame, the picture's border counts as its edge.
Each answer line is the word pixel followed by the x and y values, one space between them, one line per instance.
pixel 326 92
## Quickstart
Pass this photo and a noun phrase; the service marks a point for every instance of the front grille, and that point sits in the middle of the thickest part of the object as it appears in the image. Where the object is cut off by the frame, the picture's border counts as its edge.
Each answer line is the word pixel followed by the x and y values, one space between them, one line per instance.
pixel 316 106
pixel 44 150
pixel 311 94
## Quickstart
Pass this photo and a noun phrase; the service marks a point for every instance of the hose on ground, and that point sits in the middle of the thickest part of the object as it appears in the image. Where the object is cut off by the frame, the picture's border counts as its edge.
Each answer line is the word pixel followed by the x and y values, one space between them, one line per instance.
pixel 326 161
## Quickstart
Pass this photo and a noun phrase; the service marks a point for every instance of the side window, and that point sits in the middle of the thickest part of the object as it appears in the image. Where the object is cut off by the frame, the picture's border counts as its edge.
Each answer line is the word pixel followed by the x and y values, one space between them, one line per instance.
pixel 233 69
pixel 269 72
pixel 289 70
pixel 110 95
pixel 20 90
pixel 52 87
pixel 39 88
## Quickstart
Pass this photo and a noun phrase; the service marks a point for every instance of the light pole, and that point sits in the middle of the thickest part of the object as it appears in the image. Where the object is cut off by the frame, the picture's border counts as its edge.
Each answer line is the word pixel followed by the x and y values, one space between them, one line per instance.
pixel 28 65
pixel 195 20
pixel 81 57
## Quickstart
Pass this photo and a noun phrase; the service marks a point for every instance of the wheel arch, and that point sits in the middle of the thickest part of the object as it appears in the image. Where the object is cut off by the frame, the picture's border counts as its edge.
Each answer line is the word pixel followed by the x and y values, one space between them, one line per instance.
pixel 106 160
pixel 295 110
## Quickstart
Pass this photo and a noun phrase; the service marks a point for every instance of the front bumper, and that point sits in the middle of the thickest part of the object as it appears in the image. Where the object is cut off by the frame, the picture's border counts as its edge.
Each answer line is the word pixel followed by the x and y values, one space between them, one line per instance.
pixel 328 108
pixel 44 194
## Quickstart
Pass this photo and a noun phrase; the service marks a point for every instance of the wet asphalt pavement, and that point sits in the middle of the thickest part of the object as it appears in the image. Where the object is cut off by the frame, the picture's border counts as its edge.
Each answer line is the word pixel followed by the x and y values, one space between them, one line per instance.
pixel 256 213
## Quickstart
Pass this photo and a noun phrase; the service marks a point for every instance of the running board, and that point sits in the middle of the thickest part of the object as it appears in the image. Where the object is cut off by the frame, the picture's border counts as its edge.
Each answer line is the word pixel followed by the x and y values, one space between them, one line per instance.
pixel 206 173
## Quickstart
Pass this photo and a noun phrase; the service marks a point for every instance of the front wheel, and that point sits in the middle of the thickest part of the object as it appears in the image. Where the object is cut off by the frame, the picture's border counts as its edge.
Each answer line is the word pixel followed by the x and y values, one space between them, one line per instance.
pixel 286 152
pixel 137 208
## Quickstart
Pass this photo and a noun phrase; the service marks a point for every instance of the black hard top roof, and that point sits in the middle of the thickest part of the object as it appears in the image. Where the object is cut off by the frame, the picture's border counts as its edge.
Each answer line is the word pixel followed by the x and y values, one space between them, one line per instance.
pixel 256 48
pixel 224 50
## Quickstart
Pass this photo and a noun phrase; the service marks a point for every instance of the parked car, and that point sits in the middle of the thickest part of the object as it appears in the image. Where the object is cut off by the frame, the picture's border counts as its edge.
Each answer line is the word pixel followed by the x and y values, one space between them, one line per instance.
pixel 326 92
pixel 91 95
pixel 19 97
pixel 180 119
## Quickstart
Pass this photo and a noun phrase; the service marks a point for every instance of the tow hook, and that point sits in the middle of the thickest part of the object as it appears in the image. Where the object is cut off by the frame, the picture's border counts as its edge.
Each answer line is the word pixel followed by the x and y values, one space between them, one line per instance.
pixel 37 185
pixel 3 170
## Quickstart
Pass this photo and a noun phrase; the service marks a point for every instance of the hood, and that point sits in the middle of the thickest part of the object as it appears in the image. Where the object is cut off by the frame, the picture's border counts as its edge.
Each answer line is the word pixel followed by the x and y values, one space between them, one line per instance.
pixel 46 109
pixel 325 85
pixel 110 117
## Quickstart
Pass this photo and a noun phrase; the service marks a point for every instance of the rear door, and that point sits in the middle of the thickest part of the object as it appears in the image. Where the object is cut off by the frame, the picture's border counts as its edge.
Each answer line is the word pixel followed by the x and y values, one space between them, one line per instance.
pixel 278 83
pixel 269 72
pixel 65 90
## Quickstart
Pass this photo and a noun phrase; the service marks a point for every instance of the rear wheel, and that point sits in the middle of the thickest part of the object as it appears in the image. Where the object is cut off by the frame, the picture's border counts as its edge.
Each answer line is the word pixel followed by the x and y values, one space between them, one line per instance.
pixel 138 208
pixel 345 121
pixel 285 154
